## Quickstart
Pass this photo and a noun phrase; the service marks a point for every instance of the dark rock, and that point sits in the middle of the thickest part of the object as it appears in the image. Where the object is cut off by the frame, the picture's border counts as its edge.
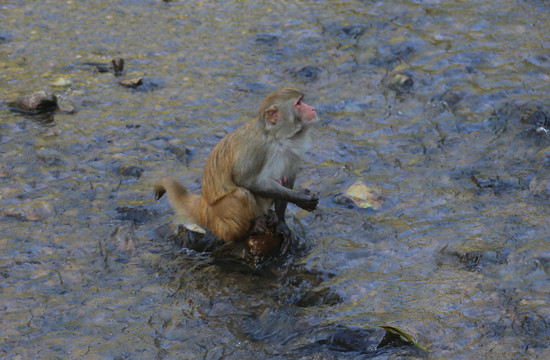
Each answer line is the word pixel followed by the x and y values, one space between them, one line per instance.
pixel 118 66
pixel 483 181
pixel 496 183
pixel 344 201
pixel 530 114
pixel 401 82
pixel 476 260
pixel 37 103
pixel 535 117
pixel 367 341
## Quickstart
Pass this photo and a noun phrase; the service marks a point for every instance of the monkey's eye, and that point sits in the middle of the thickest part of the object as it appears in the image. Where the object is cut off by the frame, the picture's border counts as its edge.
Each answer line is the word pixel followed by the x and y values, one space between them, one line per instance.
pixel 299 102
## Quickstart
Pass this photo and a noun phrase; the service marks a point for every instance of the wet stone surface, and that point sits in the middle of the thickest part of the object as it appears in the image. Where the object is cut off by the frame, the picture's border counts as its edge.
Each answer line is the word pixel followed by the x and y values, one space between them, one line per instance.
pixel 441 109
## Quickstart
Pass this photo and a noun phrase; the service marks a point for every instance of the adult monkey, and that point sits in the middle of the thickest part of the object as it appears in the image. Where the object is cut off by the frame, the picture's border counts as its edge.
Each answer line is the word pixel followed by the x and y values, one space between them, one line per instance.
pixel 249 170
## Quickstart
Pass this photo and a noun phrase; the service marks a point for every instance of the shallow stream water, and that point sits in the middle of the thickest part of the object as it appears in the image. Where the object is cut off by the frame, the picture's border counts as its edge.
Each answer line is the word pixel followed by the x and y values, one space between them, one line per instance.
pixel 440 107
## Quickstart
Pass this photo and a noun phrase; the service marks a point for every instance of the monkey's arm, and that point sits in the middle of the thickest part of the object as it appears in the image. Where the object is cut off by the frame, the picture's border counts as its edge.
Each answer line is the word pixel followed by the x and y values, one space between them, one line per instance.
pixel 280 204
pixel 272 189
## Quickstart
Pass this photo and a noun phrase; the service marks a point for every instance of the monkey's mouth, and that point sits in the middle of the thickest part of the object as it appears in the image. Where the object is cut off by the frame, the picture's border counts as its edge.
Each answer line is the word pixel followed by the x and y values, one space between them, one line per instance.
pixel 312 120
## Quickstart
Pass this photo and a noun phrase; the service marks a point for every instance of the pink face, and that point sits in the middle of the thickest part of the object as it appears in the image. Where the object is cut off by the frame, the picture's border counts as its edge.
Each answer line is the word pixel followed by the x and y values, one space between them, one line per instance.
pixel 307 113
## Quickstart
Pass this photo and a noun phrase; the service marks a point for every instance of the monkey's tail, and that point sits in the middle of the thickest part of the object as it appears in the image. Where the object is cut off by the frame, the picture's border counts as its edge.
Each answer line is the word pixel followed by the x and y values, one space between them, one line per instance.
pixel 185 203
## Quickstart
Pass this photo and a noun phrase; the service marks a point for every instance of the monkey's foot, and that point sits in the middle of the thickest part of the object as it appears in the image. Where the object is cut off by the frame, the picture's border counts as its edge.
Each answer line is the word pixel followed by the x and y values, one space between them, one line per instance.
pixel 260 226
pixel 283 232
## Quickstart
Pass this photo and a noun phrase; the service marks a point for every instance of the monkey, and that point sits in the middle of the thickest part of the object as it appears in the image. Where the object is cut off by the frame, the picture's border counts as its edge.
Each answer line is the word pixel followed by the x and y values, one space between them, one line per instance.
pixel 251 170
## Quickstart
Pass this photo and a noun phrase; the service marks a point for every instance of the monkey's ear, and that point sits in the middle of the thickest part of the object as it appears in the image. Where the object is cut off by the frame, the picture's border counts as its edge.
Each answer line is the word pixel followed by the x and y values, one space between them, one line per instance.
pixel 273 115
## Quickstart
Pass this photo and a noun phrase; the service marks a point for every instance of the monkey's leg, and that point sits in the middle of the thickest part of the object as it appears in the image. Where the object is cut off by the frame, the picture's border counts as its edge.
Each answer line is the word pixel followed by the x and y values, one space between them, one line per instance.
pixel 281 228
pixel 232 216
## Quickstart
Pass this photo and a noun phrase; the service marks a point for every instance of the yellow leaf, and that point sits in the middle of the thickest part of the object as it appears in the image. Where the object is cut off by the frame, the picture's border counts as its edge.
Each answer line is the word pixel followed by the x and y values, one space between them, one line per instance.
pixel 363 196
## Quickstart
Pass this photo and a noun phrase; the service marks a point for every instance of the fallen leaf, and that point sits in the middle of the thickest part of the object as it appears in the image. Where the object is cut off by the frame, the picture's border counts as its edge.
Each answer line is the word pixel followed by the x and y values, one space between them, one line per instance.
pixel 195 228
pixel 363 196
pixel 132 83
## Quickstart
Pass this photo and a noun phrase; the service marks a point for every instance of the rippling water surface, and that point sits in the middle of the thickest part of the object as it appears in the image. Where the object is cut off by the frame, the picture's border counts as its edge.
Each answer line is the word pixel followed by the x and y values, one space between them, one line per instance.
pixel 440 107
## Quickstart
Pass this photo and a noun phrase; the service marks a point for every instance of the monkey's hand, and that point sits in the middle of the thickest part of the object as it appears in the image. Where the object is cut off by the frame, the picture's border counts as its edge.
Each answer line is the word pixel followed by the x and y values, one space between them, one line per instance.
pixel 307 200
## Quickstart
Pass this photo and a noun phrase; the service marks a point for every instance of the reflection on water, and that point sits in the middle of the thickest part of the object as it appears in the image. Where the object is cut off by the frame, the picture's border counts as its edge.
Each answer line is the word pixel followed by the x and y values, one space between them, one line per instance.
pixel 441 107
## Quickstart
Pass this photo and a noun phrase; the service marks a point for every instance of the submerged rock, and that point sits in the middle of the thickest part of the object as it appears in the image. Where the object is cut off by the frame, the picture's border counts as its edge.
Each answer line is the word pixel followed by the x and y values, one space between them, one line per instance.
pixel 531 114
pixel 99 67
pixel 137 215
pixel 355 31
pixel 124 238
pixel 310 73
pixel 183 154
pixel 49 156
pixel 132 171
pixel 267 39
pixel 449 98
pixel 34 210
